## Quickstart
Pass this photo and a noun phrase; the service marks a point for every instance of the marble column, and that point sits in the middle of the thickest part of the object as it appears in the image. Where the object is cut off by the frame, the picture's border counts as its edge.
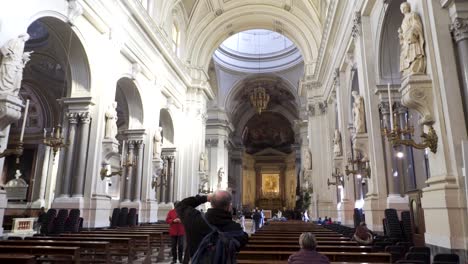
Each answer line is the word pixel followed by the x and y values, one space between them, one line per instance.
pixel 78 180
pixel 45 169
pixel 459 29
pixel 129 169
pixel 170 183
pixel 139 168
pixel 72 125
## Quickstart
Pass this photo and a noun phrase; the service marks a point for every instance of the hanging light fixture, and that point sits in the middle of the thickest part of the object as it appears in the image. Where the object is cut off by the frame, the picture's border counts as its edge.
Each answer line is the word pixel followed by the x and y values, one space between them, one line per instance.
pixel 259 98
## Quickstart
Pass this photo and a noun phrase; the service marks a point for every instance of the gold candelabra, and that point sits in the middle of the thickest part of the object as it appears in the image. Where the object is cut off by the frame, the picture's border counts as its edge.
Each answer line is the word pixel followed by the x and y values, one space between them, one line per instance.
pixel 429 139
pixel 107 173
pixel 358 167
pixel 55 140
pixel 18 151
pixel 338 179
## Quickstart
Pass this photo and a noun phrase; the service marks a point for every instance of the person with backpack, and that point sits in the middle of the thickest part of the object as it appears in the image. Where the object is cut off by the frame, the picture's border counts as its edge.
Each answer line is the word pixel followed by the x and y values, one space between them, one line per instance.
pixel 213 237
pixel 176 232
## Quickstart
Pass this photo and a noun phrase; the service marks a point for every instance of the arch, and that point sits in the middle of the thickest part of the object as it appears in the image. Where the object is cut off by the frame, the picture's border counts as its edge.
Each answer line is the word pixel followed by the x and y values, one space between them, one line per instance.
pixel 388 43
pixel 165 121
pixel 208 35
pixel 129 104
pixel 69 46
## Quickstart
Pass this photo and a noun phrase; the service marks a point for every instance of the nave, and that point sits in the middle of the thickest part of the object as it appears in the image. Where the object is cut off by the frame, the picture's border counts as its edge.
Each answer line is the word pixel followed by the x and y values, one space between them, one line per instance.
pixel 337 108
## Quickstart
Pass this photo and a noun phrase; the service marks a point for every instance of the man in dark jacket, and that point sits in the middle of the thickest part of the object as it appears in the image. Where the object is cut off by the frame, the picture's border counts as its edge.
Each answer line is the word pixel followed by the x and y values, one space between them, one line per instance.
pixel 219 215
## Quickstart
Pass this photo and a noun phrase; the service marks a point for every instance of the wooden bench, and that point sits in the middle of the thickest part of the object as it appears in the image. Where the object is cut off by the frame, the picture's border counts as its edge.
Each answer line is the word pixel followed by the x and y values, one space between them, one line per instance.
pixel 332 256
pixel 45 253
pixel 295 242
pixel 121 249
pixel 90 251
pixel 17 259
pixel 294 248
pixel 141 242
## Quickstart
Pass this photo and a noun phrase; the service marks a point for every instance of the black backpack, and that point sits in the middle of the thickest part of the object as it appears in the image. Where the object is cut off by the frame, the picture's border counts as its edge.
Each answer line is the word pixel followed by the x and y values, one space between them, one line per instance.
pixel 217 247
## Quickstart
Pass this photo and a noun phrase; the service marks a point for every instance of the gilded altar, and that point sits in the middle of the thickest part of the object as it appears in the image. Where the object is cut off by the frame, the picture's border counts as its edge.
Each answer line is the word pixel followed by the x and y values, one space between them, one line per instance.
pixel 269 180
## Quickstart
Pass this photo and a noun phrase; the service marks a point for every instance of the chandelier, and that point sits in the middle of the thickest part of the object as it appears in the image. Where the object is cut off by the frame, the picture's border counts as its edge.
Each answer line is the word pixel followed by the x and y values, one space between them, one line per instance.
pixel 259 99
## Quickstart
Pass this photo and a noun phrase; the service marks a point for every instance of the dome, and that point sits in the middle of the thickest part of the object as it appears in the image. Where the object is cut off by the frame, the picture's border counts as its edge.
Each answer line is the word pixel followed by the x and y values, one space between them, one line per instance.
pixel 257 50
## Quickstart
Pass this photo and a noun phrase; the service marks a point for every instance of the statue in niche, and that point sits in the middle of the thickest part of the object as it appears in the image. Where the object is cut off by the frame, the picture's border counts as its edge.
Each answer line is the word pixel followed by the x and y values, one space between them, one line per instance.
pixel 307 165
pixel 157 143
pixel 358 113
pixel 337 150
pixel 13 62
pixel 203 164
pixel 111 121
pixel 204 181
pixel 411 35
pixel 220 176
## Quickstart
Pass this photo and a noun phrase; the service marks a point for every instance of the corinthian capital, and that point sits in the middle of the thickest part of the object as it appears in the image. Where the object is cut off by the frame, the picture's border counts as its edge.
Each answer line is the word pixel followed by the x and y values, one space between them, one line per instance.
pixel 356 31
pixel 84 117
pixel 459 29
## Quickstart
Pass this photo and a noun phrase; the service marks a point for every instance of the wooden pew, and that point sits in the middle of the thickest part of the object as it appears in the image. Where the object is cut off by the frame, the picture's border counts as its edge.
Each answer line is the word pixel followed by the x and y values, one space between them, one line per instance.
pixel 295 242
pixel 17 259
pixel 332 256
pixel 286 237
pixel 121 249
pixel 52 254
pixel 90 251
pixel 294 248
pixel 141 242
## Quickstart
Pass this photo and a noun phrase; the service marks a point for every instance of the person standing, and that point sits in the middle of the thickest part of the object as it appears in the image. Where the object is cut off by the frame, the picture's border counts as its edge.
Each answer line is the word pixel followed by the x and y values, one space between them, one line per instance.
pixel 256 217
pixel 262 218
pixel 176 232
pixel 219 216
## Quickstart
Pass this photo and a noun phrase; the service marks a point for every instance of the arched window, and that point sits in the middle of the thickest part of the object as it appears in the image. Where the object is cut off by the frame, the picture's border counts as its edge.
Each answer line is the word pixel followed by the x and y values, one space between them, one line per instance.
pixel 175 38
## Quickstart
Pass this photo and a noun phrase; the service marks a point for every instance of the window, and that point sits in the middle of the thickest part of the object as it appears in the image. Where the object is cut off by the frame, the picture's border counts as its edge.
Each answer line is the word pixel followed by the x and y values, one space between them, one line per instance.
pixel 175 38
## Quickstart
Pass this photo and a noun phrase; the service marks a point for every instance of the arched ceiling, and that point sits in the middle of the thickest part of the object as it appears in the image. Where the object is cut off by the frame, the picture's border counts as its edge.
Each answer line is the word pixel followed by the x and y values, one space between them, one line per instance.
pixel 210 22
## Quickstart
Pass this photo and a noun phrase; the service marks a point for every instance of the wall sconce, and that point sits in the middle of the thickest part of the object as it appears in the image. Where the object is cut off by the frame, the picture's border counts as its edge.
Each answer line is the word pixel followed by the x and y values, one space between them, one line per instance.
pixel 106 171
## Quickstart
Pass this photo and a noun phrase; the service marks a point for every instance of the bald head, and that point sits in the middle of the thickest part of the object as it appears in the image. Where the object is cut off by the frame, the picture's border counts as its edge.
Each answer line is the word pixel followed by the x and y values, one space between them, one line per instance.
pixel 221 200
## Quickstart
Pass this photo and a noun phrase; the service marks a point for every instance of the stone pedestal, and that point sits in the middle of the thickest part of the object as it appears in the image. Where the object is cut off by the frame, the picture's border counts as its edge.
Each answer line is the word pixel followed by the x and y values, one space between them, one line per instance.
pixel 346 213
pixel 10 111
pixel 3 206
pixel 149 211
pixel 416 91
pixel 398 203
pixel 374 209
pixel 99 212
pixel 163 209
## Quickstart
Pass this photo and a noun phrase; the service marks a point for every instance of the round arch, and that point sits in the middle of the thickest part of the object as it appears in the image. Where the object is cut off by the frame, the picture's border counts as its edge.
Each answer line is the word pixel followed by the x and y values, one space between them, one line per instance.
pixel 129 104
pixel 206 38
pixel 165 122
pixel 70 46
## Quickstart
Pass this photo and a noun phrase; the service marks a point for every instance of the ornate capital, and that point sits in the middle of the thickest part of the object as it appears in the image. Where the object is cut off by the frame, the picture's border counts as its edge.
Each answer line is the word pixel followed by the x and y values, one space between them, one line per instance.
pixel 211 142
pixel 459 29
pixel 384 108
pixel 72 118
pixel 84 117
pixel 323 107
pixel 356 31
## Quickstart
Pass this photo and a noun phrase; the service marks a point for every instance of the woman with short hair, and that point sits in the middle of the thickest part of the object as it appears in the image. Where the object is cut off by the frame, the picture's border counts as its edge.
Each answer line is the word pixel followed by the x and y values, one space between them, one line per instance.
pixel 307 253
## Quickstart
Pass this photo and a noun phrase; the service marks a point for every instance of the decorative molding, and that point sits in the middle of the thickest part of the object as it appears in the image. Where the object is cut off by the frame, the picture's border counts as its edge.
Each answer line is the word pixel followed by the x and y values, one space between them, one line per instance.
pixel 459 29
pixel 336 77
pixel 211 142
pixel 323 107
pixel 356 30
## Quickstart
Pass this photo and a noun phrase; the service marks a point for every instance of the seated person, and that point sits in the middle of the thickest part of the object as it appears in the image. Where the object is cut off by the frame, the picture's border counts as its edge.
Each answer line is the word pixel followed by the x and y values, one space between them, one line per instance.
pixel 307 254
pixel 362 235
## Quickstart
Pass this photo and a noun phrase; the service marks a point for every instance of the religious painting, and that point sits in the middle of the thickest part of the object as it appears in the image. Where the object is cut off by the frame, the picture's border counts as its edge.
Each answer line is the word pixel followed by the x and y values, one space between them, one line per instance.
pixel 270 185
pixel 268 130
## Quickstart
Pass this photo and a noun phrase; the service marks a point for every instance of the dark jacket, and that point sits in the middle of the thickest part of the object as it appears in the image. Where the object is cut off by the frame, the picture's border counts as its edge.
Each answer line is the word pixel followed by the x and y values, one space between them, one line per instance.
pixel 195 226
pixel 307 256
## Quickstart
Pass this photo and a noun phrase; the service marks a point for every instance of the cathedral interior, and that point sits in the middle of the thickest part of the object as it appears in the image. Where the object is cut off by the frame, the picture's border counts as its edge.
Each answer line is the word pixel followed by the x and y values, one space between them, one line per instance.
pixel 320 105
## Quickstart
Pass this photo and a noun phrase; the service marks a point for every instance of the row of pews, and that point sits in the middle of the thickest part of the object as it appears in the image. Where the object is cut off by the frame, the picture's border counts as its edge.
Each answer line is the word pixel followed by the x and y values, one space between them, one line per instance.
pixel 139 244
pixel 275 242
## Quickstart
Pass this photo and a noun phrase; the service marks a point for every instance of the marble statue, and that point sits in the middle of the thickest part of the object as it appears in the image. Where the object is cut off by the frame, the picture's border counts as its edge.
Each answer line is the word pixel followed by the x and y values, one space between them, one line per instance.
pixel 157 143
pixel 411 35
pixel 111 121
pixel 307 165
pixel 358 113
pixel 13 62
pixel 203 163
pixel 337 150
pixel 220 176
